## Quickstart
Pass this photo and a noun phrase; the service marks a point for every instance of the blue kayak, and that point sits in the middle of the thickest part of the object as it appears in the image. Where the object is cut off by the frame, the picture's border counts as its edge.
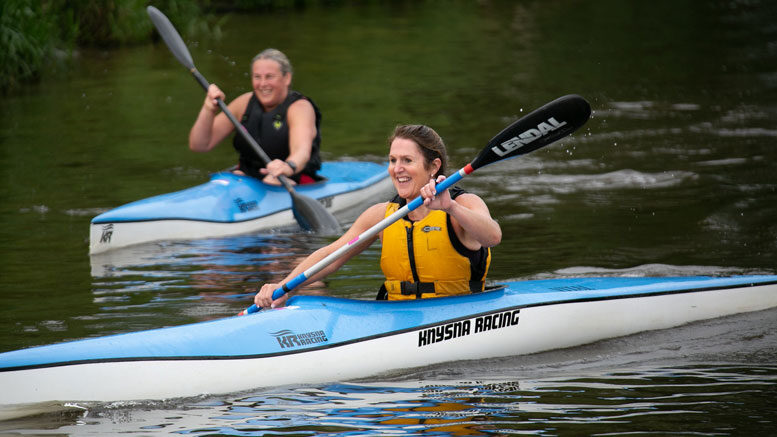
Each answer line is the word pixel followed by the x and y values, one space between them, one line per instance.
pixel 229 204
pixel 322 339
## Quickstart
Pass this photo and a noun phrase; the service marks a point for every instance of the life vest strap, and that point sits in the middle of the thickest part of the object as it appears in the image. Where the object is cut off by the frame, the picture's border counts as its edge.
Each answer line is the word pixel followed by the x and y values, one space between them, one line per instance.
pixel 419 288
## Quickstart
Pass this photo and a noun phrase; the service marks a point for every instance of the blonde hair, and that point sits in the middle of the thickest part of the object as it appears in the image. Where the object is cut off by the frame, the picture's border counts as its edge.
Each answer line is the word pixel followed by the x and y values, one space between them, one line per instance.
pixel 277 56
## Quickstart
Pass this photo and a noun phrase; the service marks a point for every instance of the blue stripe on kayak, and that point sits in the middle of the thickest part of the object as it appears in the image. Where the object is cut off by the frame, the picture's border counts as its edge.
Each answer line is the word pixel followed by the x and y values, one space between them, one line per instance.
pixel 402 330
pixel 229 198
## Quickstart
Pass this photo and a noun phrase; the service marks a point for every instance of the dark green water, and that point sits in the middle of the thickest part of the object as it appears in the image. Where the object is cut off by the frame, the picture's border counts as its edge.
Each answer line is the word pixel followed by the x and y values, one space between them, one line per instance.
pixel 674 174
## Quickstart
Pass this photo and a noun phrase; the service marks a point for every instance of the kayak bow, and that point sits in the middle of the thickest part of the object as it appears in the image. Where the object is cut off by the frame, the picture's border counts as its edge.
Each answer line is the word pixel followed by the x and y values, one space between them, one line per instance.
pixel 229 204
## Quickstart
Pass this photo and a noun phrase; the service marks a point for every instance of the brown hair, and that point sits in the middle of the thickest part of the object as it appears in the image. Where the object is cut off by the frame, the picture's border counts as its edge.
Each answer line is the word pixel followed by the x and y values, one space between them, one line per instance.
pixel 428 141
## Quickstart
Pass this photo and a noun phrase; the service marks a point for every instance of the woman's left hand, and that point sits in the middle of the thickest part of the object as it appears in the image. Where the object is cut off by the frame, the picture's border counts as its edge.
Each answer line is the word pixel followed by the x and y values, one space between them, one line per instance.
pixel 263 298
pixel 433 199
pixel 274 169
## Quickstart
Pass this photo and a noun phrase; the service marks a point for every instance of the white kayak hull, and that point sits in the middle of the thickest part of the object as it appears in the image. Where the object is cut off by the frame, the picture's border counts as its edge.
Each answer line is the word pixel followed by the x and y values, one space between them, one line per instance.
pixel 318 339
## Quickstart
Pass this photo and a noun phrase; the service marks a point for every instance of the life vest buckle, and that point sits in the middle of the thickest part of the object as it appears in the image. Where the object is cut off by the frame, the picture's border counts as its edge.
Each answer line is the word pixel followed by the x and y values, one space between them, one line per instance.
pixel 416 288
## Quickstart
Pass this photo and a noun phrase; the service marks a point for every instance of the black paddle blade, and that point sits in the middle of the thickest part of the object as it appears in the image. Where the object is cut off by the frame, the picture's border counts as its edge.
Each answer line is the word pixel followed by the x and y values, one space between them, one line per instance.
pixel 312 216
pixel 539 128
pixel 171 37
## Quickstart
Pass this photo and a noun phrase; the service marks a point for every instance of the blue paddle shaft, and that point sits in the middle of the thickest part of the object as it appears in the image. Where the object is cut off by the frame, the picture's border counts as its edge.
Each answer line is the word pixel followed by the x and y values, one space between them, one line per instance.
pixel 383 224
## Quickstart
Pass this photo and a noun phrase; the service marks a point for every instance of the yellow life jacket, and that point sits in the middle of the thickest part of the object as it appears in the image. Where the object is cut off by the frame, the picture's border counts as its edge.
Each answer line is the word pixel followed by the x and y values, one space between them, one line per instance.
pixel 426 259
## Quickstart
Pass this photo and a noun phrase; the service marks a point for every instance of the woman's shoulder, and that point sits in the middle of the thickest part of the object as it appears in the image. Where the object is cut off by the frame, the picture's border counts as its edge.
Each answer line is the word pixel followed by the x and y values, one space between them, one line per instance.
pixel 240 104
pixel 465 196
pixel 301 104
pixel 244 98
pixel 378 209
pixel 369 218
pixel 456 191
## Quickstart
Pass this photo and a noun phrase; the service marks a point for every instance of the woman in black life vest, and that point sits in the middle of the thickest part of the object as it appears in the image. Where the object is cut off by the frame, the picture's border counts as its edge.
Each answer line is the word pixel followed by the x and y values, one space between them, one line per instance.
pixel 440 249
pixel 285 123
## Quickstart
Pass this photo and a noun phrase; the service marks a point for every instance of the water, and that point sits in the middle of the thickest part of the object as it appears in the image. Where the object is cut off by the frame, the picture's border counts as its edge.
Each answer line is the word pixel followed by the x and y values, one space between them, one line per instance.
pixel 673 175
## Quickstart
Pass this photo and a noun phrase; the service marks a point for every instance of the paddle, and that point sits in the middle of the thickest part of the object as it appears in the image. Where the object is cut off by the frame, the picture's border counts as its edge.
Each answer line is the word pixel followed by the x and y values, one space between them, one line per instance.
pixel 310 214
pixel 541 127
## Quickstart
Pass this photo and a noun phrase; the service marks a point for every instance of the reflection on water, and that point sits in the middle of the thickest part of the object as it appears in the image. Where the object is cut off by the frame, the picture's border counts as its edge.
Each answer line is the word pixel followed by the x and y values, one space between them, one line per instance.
pixel 185 281
pixel 628 400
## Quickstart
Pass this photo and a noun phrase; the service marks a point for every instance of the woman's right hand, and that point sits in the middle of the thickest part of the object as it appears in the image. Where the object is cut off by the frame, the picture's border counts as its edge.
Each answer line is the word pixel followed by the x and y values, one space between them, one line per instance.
pixel 211 102
pixel 263 298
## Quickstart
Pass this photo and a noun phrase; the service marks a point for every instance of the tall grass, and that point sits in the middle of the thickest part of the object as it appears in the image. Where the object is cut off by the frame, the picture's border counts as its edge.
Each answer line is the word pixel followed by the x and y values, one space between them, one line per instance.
pixel 36 33
pixel 28 37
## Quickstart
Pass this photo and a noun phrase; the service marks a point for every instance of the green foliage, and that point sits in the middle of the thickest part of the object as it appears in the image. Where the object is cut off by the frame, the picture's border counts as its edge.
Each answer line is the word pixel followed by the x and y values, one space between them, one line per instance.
pixel 36 33
pixel 268 5
pixel 109 22
pixel 120 22
pixel 26 40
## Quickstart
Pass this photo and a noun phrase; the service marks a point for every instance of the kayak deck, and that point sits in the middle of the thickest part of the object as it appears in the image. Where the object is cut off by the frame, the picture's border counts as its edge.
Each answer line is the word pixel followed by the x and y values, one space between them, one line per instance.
pixel 257 335
pixel 230 204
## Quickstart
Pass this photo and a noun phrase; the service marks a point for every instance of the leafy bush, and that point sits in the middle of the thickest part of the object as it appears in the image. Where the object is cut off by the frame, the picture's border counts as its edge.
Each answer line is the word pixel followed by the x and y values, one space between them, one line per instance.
pixel 34 33
pixel 27 38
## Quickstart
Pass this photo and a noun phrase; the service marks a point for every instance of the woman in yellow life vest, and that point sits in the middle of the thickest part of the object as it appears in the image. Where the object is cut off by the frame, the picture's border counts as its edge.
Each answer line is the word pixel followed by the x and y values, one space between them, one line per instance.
pixel 440 248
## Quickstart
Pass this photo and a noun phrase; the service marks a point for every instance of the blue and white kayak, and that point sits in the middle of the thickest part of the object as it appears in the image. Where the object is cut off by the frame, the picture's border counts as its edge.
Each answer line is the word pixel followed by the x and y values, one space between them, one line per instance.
pixel 324 339
pixel 229 204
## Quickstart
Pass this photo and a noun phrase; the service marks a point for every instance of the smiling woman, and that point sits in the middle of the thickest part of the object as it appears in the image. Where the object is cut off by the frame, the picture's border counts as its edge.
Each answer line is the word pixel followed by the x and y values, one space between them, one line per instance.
pixel 465 228
pixel 452 260
pixel 284 122
pixel 298 136
pixel 464 262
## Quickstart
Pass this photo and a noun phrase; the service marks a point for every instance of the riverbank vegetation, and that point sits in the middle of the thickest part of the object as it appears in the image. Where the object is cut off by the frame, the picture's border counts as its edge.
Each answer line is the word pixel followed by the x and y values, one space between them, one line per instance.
pixel 36 35
pixel 44 34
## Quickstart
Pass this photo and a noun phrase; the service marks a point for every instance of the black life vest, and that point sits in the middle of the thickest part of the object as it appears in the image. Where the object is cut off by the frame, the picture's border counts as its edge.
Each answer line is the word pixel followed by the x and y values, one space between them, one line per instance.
pixel 271 131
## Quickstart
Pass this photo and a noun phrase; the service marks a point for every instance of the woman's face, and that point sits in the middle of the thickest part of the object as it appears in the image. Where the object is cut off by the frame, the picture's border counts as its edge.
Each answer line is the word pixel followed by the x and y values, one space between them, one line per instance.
pixel 408 169
pixel 269 84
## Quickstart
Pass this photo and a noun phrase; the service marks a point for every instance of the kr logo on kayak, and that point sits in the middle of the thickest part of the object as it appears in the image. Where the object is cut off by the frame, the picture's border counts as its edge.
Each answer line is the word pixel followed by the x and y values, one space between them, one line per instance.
pixel 107 233
pixel 287 338
pixel 528 136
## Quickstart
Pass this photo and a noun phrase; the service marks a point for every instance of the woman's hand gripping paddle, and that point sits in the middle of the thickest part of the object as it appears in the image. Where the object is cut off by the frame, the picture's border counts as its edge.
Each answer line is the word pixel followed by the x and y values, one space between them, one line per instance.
pixel 310 214
pixel 541 127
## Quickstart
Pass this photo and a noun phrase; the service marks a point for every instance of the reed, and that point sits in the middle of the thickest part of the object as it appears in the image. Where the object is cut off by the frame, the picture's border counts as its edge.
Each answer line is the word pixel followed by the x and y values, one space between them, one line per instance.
pixel 34 35
pixel 27 38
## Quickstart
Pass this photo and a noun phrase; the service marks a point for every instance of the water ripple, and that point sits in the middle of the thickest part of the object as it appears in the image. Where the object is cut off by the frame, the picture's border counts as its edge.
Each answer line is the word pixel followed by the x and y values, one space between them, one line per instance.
pixel 633 400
